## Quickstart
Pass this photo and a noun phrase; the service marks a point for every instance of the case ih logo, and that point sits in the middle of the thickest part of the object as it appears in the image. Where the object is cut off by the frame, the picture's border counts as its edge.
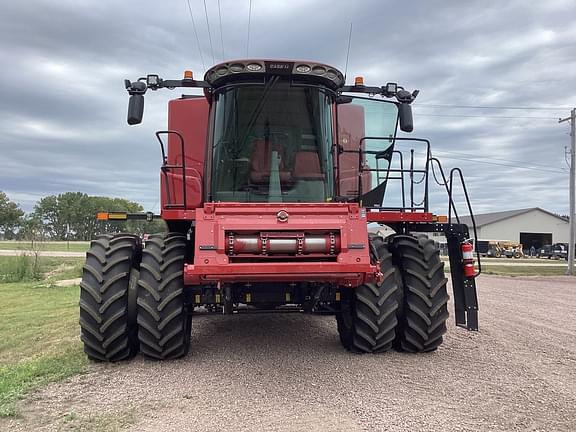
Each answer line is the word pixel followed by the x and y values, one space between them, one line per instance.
pixel 279 68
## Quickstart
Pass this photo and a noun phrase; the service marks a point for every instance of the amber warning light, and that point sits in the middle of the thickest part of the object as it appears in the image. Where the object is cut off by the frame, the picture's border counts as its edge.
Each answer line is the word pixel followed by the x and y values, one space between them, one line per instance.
pixel 188 74
pixel 111 216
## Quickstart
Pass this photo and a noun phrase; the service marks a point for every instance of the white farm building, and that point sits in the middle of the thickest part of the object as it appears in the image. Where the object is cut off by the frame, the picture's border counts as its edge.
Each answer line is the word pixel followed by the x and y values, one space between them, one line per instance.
pixel 531 227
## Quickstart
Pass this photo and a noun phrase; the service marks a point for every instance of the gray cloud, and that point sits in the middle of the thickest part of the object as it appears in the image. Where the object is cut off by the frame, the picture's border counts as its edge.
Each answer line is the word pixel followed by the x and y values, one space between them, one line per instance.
pixel 63 106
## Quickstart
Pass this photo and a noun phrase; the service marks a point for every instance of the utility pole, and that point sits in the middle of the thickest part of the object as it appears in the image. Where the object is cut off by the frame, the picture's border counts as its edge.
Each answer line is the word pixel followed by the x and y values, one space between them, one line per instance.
pixel 572 119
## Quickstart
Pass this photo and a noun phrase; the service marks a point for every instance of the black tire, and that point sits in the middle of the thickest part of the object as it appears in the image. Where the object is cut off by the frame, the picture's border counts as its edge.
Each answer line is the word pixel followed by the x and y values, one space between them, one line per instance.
pixel 367 316
pixel 107 298
pixel 424 310
pixel 164 322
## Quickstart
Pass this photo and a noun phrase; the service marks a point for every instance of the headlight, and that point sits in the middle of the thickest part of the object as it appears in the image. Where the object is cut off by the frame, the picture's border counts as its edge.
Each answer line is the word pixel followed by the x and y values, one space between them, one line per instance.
pixel 237 67
pixel 303 68
pixel 254 67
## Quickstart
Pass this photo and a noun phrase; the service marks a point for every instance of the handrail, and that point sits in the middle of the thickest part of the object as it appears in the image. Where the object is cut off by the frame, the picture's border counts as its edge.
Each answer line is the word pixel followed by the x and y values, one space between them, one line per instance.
pixel 424 204
pixel 165 167
pixel 465 190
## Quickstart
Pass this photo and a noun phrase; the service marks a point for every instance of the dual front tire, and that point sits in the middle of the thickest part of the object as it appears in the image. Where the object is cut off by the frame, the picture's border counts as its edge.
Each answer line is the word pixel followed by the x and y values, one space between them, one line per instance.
pixel 133 299
pixel 407 310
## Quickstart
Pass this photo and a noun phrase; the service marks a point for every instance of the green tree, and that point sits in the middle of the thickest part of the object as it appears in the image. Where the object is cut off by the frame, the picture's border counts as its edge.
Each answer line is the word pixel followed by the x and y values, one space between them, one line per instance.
pixel 10 216
pixel 72 216
pixel 31 228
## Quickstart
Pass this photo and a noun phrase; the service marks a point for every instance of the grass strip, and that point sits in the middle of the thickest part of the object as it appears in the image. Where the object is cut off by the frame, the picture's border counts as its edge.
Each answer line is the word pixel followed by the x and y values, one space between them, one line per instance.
pixel 18 379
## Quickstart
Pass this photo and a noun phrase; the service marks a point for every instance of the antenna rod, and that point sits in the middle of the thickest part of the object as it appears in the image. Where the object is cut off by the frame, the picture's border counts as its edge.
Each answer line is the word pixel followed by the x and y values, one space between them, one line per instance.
pixel 248 39
pixel 348 51
pixel 221 35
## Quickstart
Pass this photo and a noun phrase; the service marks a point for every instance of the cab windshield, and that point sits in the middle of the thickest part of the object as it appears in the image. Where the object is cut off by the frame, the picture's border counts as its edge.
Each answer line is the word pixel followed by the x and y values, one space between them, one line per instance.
pixel 272 143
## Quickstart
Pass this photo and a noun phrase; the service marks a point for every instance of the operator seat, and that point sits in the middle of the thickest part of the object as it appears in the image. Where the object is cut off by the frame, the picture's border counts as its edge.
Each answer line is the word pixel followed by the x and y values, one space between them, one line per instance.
pixel 260 162
pixel 307 166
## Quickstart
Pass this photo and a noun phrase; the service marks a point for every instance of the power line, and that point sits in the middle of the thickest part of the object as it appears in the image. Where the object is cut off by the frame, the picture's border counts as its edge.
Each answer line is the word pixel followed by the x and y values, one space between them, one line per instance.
pixel 196 34
pixel 471 156
pixel 221 35
pixel 558 171
pixel 209 34
pixel 487 117
pixel 249 19
pixel 495 107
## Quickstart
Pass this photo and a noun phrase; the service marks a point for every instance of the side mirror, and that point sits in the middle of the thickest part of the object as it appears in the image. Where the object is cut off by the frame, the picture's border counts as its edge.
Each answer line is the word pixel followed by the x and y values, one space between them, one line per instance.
pixel 405 114
pixel 135 109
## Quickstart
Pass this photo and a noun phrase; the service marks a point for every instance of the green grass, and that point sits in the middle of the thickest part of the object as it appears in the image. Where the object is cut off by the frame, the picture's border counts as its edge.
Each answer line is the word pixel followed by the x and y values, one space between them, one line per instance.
pixel 59 246
pixel 39 332
pixel 524 270
pixel 27 268
pixel 106 422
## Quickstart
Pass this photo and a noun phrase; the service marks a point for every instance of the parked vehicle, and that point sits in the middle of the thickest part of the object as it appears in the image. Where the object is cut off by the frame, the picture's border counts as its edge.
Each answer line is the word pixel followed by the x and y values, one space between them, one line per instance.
pixel 500 248
pixel 554 251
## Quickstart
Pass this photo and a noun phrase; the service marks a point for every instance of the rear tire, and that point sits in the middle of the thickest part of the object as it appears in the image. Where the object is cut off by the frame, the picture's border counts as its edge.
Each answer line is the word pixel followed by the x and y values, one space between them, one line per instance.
pixel 107 321
pixel 424 311
pixel 367 316
pixel 164 320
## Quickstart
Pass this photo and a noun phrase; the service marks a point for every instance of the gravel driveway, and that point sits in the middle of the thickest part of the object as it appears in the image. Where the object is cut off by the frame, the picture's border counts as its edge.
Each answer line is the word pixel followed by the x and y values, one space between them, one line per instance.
pixel 285 372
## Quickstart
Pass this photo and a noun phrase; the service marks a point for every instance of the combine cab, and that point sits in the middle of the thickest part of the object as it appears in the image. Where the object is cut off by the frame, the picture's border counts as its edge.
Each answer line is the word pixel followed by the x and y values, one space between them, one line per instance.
pixel 272 183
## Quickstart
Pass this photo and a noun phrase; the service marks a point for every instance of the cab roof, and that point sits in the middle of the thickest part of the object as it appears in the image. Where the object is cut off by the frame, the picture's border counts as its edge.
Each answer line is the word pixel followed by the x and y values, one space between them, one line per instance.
pixel 258 69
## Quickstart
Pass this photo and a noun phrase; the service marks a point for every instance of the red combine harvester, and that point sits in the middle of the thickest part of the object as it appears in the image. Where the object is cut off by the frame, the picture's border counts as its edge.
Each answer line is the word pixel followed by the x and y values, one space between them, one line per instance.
pixel 273 186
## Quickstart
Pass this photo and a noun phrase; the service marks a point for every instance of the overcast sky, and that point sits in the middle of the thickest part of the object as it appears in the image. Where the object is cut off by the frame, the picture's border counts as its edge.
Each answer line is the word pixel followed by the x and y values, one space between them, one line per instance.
pixel 63 104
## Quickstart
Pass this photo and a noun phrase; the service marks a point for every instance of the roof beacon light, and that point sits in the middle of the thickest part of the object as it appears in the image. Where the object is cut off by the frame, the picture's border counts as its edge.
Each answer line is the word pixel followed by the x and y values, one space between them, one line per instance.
pixel 359 81
pixel 188 74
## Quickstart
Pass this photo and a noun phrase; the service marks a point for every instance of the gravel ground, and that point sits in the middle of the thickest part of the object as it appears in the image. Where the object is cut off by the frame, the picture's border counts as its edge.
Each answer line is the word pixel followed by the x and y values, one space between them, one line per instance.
pixel 287 372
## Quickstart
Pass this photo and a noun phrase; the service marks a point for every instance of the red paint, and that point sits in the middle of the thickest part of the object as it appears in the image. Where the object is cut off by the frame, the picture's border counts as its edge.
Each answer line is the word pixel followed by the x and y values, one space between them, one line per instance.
pixel 350 133
pixel 335 225
pixel 350 267
pixel 189 117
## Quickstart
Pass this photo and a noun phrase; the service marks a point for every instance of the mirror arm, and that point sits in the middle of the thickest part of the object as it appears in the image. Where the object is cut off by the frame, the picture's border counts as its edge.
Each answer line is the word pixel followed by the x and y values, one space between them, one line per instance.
pixel 402 95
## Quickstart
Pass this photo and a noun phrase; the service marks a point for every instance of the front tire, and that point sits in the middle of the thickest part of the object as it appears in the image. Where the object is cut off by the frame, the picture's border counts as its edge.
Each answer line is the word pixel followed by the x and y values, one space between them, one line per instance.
pixel 367 316
pixel 164 320
pixel 107 321
pixel 422 322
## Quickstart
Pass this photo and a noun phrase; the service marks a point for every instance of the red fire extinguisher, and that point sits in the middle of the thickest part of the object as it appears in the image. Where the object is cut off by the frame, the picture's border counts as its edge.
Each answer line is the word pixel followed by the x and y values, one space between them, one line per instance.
pixel 468 259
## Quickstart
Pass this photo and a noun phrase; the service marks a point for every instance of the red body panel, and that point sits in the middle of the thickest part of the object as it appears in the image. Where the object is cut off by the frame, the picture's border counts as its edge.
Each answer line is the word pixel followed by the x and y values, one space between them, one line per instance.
pixel 350 267
pixel 189 117
pixel 350 132
pixel 317 242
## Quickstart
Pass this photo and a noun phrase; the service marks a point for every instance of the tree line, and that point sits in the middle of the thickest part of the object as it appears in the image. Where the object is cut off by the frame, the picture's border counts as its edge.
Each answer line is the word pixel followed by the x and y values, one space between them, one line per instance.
pixel 69 216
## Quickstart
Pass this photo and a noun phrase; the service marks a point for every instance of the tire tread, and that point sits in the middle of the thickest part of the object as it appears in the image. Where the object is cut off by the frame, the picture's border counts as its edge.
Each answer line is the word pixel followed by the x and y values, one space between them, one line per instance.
pixel 423 315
